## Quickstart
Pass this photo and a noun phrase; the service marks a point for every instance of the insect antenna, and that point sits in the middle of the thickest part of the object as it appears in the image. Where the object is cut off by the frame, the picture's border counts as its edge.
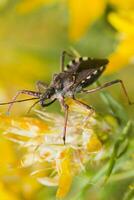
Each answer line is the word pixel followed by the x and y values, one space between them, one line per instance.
pixel 16 101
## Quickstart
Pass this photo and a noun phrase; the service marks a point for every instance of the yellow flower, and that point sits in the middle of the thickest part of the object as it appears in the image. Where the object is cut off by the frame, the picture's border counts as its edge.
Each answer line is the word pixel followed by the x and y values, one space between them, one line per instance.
pixel 82 15
pixel 6 149
pixel 50 161
pixel 94 144
pixel 123 4
pixel 123 22
pixel 65 173
pixel 5 194
pixel 14 180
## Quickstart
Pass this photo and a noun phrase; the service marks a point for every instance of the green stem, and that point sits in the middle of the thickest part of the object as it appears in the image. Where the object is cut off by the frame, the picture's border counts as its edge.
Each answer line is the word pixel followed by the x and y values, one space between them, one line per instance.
pixel 116 148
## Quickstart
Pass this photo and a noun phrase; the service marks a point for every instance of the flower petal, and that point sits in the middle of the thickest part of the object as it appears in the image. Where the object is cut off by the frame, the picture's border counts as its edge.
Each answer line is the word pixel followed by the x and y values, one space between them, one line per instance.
pixel 48 181
pixel 123 21
pixel 65 173
pixel 94 144
pixel 82 15
pixel 124 53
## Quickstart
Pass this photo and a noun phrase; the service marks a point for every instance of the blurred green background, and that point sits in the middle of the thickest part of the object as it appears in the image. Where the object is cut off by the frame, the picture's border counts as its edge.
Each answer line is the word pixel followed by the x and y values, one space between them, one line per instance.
pixel 33 33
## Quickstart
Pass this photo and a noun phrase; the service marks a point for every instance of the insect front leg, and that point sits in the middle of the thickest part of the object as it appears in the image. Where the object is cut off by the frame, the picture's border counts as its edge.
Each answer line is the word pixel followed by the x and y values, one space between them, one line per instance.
pixel 89 108
pixel 28 92
pixel 65 107
pixel 65 123
pixel 43 104
pixel 108 84
pixel 62 59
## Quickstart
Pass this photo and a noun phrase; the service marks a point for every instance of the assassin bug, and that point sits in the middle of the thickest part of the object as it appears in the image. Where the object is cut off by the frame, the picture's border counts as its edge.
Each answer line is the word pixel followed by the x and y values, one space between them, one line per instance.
pixel 78 74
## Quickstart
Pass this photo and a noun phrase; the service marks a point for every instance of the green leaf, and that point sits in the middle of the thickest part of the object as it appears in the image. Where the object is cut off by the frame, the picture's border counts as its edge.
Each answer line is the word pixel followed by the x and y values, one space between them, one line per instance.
pixel 115 108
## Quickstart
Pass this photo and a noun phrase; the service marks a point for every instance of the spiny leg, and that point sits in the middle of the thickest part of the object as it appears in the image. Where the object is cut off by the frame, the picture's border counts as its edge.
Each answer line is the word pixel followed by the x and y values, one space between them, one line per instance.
pixel 62 59
pixel 65 124
pixel 108 84
pixel 43 104
pixel 41 86
pixel 28 92
pixel 91 110
pixel 65 107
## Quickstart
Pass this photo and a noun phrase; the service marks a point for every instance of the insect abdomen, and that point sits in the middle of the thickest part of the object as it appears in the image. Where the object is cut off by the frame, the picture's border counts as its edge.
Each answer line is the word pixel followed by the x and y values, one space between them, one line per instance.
pixel 90 76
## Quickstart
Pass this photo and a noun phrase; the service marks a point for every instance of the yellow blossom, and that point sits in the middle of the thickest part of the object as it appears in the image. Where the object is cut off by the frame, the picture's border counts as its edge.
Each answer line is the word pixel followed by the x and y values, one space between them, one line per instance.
pixel 5 194
pixel 123 4
pixel 6 148
pixel 51 162
pixel 73 106
pixel 123 22
pixel 14 180
pixel 94 144
pixel 65 173
pixel 82 15
pixel 12 175
pixel 124 53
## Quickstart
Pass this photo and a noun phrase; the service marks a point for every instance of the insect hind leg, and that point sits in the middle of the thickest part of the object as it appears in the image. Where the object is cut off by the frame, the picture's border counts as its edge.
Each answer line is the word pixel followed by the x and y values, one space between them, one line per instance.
pixel 28 92
pixel 108 84
pixel 89 108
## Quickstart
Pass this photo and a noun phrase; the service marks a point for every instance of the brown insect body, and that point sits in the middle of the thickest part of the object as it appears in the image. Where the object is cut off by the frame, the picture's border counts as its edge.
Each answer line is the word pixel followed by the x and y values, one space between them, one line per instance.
pixel 80 73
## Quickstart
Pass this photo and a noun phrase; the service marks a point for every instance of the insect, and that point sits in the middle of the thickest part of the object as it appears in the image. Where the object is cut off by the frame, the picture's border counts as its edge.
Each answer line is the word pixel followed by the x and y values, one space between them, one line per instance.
pixel 78 74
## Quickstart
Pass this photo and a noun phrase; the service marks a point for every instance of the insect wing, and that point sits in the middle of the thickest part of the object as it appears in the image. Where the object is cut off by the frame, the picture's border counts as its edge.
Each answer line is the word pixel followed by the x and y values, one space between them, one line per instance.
pixel 91 64
pixel 88 71
pixel 82 63
pixel 85 77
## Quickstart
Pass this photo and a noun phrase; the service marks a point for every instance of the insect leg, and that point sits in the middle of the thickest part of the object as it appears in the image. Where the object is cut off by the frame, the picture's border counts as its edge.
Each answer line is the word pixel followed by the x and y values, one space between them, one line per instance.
pixel 91 110
pixel 65 107
pixel 65 124
pixel 108 84
pixel 28 92
pixel 62 59
pixel 43 104
pixel 41 86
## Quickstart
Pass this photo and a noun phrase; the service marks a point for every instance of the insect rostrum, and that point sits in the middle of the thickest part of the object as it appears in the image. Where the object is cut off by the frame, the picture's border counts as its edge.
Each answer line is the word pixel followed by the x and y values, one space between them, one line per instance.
pixel 73 78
